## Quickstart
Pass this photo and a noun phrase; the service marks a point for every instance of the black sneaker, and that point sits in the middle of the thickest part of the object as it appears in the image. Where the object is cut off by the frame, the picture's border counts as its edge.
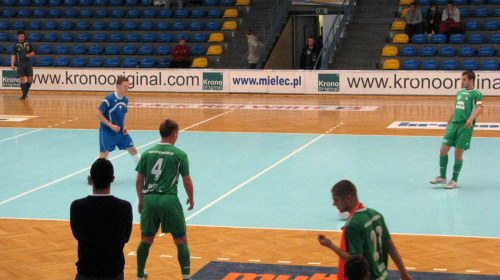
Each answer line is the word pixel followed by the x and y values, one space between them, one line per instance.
pixel 23 97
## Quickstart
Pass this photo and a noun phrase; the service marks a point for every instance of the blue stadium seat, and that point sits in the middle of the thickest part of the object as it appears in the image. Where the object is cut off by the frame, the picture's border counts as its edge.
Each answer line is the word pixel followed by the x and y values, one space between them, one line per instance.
pixel 82 25
pixel 465 12
pixel 117 13
pixel 491 25
pixel 470 64
pixel 196 26
pixel 494 38
pixel 6 62
pixel 34 37
pixel 145 50
pixel 210 3
pixel 66 25
pixel 466 51
pixel 70 3
pixel 131 3
pixel 101 13
pixel 128 50
pixel 164 62
pixel 183 35
pixel 61 62
pixel 54 13
pixel 8 13
pixel 50 25
pixel 214 13
pixel 478 2
pixel 460 2
pixel 179 26
pixel 4 25
pixel 165 13
pixel 446 51
pixel 486 51
pixel 132 37
pixel 39 3
pixel 490 64
pixel 213 25
pixel 38 13
pixel 147 62
pixel 9 48
pixel 163 26
pixel 198 13
pixel 457 39
pixel 130 25
pixel 50 37
pixel 19 25
pixel 100 2
pixel 115 2
pixel 410 64
pixel 24 13
pixel 162 50
pixel 198 50
pixel 44 49
pixel 114 25
pixel 430 64
pixel 82 37
pixel 55 3
pixel 149 13
pixel 438 39
pixel 449 64
pixel 147 25
pixel 99 37
pixel 408 51
pixel 419 39
pixel 78 49
pixel 199 38
pixel 67 37
pixel 145 3
pixel 86 13
pixel 1 49
pixel 44 61
pixel 493 1
pixel 482 12
pixel 13 38
pixel 115 37
pixel 98 25
pixel 181 13
pixel 95 50
pixel 476 38
pixel 61 49
pixel 70 13
pixel 496 12
pixel 95 62
pixel 427 51
pixel 85 3
pixel 134 13
pixel 112 62
pixel 148 37
pixel 78 62
pixel 112 50
pixel 165 38
pixel 472 25
pixel 129 62
pixel 227 2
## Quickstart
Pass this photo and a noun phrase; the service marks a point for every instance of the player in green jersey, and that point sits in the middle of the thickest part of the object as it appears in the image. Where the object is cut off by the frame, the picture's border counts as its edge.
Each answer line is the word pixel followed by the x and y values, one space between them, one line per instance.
pixel 157 176
pixel 364 233
pixel 468 106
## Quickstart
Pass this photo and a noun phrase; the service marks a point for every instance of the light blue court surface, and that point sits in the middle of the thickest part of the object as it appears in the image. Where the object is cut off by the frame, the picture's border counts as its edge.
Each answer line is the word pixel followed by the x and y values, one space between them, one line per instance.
pixel 266 180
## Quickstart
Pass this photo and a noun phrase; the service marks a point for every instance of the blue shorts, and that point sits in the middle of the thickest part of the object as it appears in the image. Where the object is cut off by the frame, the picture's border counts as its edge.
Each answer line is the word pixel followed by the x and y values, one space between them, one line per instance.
pixel 109 139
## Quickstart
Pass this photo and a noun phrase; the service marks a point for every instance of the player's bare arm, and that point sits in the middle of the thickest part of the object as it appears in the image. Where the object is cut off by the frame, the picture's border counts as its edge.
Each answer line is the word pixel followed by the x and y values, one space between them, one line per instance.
pixel 396 257
pixel 188 186
pixel 325 241
pixel 100 116
pixel 139 182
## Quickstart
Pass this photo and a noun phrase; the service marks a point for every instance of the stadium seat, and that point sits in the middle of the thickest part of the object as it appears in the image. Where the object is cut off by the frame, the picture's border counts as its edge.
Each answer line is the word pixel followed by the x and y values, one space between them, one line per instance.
pixel 44 61
pixel 490 64
pixel 82 37
pixel 95 62
pixel 184 35
pixel 242 2
pixel 195 26
pixel 466 51
pixel 213 25
pixel 112 62
pixel 199 38
pixel 61 62
pixel 128 50
pixel 229 25
pixel 494 38
pixel 8 13
pixel 227 2
pixel 164 62
pixel 495 2
pixel 95 50
pixel 9 48
pixel 214 50
pixel 85 3
pixel 134 13
pixel 98 25
pixel 165 38
pixel 214 13
pixel 66 25
pixel 460 2
pixel 465 12
pixel 51 25
pixel 163 26
pixel 24 13
pixel 405 2
pixel 44 49
pixel 408 51
pixel 482 12
pixel 470 64
pixel 198 50
pixel 132 37
pixel 457 39
pixel 55 3
pixel 496 12
pixel 129 62
pixel 2 49
pixel 390 64
pixel 430 64
pixel 478 2
pixel 117 13
pixel 86 13
pixel 441 2
pixel 162 50
pixel 419 39
pixel 78 62
pixel 491 25
pixel 147 26
pixel 61 49
pixel 115 37
pixel 472 25
pixel 54 13
pixel 114 25
pixel 145 3
pixel 131 3
pixel 403 12
pixel 390 51
pixel 199 62
pixel 112 50
pixel 398 25
pixel 181 13
pixel 410 64
pixel 101 13
pixel 230 13
pixel 115 2
pixel 100 2
pixel 179 26
pixel 130 25
pixel 82 25
pixel 438 39
pixel 216 38
pixel 198 13
pixel 145 50
pixel 400 39
pixel 38 13
pixel 148 13
pixel 446 51
pixel 67 37
pixel 39 3
pixel 449 64
pixel 99 37
pixel 4 25
pixel 6 61
pixel 13 38
pixel 427 51
pixel 148 37
pixel 69 3
pixel 78 49
pixel 19 25
pixel 165 13
pixel 147 62
pixel 486 51
pixel 50 37
pixel 210 3
pixel 476 38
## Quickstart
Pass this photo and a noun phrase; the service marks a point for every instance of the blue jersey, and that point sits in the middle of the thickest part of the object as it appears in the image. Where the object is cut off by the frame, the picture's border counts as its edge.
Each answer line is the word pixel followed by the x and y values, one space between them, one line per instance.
pixel 114 110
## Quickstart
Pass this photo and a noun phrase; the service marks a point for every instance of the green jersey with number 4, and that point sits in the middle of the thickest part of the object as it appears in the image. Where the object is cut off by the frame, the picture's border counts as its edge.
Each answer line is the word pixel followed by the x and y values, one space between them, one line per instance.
pixel 367 234
pixel 466 104
pixel 161 166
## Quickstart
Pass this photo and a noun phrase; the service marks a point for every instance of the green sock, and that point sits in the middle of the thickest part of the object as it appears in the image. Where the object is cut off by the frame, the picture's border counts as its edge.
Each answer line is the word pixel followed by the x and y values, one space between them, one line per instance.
pixel 184 259
pixel 443 163
pixel 456 169
pixel 142 257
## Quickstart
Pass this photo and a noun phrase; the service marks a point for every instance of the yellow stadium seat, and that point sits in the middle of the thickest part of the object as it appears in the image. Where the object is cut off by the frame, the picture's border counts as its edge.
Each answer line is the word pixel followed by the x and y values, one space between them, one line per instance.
pixel 398 25
pixel 230 25
pixel 214 50
pixel 389 51
pixel 400 39
pixel 406 2
pixel 242 2
pixel 216 37
pixel 403 13
pixel 391 64
pixel 230 13
pixel 199 62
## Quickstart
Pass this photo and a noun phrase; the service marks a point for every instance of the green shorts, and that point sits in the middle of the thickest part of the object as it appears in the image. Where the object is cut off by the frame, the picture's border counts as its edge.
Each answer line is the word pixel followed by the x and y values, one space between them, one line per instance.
pixel 458 136
pixel 165 210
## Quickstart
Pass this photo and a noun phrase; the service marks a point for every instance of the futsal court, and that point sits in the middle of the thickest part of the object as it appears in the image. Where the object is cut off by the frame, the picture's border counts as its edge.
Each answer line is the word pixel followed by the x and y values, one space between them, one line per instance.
pixel 262 167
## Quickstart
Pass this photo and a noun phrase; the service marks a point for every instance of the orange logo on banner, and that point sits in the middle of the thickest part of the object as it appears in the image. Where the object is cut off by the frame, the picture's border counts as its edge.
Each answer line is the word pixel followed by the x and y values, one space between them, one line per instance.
pixel 253 276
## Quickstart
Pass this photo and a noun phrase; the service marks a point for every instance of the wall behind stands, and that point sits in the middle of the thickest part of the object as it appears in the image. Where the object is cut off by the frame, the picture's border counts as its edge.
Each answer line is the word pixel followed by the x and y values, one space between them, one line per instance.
pixel 257 81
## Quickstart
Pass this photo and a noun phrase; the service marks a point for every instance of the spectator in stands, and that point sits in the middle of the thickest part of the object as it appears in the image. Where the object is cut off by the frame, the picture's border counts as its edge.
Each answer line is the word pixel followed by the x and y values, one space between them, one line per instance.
pixel 450 21
pixel 181 57
pixel 254 47
pixel 180 3
pixel 356 268
pixel 433 19
pixel 414 24
pixel 309 55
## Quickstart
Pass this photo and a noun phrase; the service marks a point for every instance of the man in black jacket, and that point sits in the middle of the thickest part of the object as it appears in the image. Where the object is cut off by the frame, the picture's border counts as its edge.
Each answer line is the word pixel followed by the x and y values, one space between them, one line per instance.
pixel 309 55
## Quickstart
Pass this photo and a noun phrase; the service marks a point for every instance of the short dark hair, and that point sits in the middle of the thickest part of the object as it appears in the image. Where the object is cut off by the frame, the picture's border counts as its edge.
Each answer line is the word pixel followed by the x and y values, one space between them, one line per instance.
pixel 413 4
pixel 249 31
pixel 20 32
pixel 102 173
pixel 167 127
pixel 470 74
pixel 344 188
pixel 121 79
pixel 356 267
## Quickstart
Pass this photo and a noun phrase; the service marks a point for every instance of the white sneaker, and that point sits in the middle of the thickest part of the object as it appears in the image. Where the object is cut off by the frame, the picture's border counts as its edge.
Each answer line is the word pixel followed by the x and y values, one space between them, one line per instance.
pixel 438 180
pixel 143 278
pixel 451 185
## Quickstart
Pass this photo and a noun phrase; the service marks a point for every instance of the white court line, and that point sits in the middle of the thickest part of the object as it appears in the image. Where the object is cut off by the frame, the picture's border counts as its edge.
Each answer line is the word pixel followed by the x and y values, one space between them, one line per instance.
pixel 3 140
pixel 85 169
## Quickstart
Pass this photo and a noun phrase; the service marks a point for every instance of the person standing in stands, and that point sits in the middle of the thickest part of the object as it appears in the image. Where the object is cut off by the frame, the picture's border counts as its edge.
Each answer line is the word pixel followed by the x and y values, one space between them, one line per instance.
pixel 254 47
pixel 22 52
pixel 414 23
pixel 181 57
pixel 309 54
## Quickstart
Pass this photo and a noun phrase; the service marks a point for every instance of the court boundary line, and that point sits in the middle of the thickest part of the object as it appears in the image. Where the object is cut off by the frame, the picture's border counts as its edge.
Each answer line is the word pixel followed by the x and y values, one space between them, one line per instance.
pixel 17 136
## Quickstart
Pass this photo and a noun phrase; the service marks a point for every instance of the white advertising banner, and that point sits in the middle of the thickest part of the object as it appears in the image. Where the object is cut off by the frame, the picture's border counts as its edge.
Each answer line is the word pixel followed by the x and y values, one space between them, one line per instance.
pixel 267 81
